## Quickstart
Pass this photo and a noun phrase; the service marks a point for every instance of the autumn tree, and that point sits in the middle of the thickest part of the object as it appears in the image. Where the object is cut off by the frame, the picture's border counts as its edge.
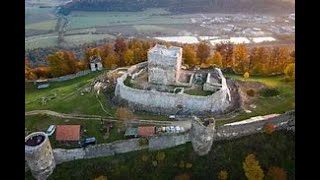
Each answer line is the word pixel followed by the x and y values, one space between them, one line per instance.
pixel 258 61
pixel 289 71
pixel 128 57
pixel 276 173
pixel 217 59
pixel 252 168
pixel 280 57
pixel 189 55
pixel 29 74
pixel 203 52
pixel 111 61
pixel 120 47
pixel 246 75
pixel 223 175
pixel 101 178
pixel 269 128
pixel 226 52
pixel 123 113
pixel 62 63
pixel 41 72
pixel 241 58
pixel 183 176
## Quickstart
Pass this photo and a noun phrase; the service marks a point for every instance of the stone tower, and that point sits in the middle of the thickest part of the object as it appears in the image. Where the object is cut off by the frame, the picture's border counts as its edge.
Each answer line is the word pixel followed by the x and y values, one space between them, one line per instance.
pixel 164 64
pixel 201 137
pixel 39 155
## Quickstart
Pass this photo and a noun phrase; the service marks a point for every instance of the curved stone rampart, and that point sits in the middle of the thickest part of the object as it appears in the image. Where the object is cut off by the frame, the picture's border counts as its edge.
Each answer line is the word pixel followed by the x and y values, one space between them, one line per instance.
pixel 166 103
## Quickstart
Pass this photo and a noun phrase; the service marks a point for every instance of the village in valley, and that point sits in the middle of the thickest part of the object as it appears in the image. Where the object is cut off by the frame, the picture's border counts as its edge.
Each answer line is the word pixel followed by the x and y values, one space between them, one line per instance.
pixel 166 107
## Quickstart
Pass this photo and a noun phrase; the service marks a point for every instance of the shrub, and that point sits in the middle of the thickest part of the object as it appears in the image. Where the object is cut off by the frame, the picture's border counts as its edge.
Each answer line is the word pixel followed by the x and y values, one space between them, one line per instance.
pixel 145 158
pixel 269 128
pixel 269 92
pixel 276 173
pixel 160 156
pixel 250 92
pixel 188 165
pixel 223 175
pixel 143 141
pixel 154 163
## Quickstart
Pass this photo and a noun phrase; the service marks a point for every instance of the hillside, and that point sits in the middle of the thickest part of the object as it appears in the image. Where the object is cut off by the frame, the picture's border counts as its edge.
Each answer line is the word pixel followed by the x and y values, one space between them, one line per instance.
pixel 185 6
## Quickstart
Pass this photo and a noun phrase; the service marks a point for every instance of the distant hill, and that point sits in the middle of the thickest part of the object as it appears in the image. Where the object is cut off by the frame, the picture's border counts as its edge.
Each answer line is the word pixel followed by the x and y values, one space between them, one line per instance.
pixel 185 6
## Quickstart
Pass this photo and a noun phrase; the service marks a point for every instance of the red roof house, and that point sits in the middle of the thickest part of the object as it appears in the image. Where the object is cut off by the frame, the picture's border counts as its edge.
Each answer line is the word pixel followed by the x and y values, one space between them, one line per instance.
pixel 146 131
pixel 68 133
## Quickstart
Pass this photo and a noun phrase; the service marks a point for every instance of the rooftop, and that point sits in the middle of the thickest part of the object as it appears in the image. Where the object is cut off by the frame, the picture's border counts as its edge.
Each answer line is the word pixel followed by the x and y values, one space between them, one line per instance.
pixel 131 132
pixel 68 133
pixel 146 131
pixel 173 51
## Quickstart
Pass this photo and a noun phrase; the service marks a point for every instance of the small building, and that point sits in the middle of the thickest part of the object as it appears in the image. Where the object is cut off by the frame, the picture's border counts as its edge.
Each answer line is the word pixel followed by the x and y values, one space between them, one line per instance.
pixel 146 131
pixel 95 63
pixel 42 83
pixel 131 132
pixel 68 133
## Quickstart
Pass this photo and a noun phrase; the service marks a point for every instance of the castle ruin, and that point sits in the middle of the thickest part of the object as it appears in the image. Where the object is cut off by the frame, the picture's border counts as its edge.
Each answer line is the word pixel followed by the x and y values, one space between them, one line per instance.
pixel 164 64
pixel 39 155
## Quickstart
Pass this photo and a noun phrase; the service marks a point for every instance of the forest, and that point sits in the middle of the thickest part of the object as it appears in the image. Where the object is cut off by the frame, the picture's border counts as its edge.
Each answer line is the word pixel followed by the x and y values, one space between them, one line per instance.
pixel 235 58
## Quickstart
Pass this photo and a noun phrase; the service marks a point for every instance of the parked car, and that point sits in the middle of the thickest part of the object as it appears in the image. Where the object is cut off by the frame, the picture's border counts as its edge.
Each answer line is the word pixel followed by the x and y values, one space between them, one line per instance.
pixel 172 117
pixel 51 129
pixel 88 141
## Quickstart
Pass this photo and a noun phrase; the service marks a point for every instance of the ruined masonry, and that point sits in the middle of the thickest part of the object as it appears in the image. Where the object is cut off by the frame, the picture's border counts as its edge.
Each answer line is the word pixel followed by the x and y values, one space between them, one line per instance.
pixel 39 155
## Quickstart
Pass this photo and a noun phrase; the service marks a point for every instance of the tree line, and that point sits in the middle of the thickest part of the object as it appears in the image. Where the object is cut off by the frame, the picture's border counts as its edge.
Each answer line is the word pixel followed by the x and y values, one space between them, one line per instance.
pixel 237 58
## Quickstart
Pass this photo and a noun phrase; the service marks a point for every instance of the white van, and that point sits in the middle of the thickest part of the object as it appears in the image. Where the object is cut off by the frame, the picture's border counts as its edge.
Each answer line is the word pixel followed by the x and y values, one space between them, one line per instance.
pixel 51 130
pixel 172 117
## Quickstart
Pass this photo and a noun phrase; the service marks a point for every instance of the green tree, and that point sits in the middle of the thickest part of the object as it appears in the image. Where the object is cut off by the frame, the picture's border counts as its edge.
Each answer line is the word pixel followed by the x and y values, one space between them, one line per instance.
pixel 252 168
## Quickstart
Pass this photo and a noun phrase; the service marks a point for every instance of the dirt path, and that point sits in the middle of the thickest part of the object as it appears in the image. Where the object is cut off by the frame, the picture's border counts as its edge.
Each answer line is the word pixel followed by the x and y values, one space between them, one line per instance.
pixel 106 118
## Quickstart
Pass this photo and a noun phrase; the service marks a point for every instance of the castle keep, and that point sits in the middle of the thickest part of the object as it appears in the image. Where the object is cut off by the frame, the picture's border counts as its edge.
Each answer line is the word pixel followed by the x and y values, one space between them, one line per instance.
pixel 164 64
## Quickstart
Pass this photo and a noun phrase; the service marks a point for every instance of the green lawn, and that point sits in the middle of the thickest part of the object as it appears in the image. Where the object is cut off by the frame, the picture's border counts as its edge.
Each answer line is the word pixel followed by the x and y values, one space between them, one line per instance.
pixel 68 98
pixel 42 122
pixel 277 149
pixel 285 101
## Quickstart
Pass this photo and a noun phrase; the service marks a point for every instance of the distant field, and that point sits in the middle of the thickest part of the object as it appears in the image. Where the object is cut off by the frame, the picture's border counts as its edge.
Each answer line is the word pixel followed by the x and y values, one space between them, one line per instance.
pixel 148 28
pixel 42 42
pixel 52 40
pixel 84 19
pixel 43 25
pixel 36 15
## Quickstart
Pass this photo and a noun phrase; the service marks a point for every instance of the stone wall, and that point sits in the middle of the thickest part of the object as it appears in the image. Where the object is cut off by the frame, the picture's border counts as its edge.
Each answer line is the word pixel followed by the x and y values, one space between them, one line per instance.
pixel 168 141
pixel 197 135
pixel 67 77
pixel 284 121
pixel 167 103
